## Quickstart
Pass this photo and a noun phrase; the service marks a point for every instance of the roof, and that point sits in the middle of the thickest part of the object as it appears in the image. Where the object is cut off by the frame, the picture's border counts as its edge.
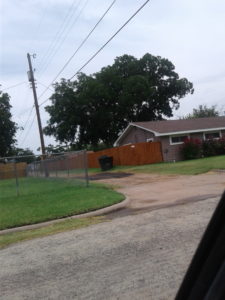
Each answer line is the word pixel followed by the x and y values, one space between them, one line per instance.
pixel 168 127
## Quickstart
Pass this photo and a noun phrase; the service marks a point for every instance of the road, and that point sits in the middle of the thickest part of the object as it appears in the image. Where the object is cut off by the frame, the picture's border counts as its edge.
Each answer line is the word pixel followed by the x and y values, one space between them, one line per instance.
pixel 140 256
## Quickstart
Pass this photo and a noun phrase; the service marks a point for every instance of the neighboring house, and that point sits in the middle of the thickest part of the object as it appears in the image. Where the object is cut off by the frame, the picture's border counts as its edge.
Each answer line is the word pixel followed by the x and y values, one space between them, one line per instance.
pixel 172 133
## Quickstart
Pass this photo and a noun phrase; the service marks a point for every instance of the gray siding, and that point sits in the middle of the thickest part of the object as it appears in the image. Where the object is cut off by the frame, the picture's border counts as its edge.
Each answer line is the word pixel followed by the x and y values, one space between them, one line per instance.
pixel 172 152
pixel 136 135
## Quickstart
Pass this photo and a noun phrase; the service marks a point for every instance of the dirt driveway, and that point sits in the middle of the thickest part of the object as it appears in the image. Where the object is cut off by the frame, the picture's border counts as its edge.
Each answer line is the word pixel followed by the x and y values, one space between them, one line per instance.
pixel 152 191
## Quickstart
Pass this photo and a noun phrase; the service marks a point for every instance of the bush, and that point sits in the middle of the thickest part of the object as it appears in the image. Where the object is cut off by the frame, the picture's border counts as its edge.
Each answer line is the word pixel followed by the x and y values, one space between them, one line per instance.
pixel 191 149
pixel 208 148
pixel 194 148
pixel 213 147
pixel 221 146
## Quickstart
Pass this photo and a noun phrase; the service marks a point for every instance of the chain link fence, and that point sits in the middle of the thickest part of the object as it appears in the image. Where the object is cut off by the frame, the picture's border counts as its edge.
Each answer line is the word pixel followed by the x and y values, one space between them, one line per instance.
pixel 17 178
pixel 68 165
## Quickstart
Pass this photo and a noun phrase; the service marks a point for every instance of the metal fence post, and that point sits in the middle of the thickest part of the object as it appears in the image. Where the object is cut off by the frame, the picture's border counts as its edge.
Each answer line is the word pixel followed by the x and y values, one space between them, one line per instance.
pixel 86 167
pixel 41 168
pixel 16 177
pixel 36 169
pixel 56 168
pixel 67 166
pixel 45 164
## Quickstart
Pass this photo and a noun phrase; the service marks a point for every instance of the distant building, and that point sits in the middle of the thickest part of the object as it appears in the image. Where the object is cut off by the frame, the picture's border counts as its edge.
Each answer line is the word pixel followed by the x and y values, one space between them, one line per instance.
pixel 172 133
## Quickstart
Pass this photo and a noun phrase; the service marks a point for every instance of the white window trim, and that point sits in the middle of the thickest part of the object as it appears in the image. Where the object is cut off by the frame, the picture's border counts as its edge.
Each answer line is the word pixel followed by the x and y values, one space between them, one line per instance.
pixel 179 143
pixel 204 133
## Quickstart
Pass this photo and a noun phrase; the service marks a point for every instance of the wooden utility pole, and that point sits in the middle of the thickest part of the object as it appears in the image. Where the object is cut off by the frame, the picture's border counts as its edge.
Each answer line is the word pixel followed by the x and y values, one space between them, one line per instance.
pixel 32 80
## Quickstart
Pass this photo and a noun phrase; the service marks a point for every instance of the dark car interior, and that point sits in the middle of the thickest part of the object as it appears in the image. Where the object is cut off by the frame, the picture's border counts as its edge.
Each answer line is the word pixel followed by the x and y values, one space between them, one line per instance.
pixel 205 277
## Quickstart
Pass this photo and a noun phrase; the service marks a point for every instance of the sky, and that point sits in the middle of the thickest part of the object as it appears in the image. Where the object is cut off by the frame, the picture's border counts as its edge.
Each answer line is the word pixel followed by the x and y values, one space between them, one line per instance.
pixel 189 33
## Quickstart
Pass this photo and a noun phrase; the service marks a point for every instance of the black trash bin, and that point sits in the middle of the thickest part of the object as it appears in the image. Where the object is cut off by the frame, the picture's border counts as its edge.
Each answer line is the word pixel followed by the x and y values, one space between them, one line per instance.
pixel 106 162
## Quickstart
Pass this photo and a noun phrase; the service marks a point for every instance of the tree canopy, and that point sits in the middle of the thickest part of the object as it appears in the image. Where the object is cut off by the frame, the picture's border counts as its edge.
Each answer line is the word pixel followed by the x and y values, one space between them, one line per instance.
pixel 7 126
pixel 95 108
pixel 203 111
pixel 51 149
pixel 23 155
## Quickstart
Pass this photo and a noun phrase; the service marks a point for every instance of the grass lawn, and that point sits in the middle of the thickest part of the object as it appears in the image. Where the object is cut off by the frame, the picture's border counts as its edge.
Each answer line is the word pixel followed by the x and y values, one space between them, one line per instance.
pixel 188 167
pixel 46 199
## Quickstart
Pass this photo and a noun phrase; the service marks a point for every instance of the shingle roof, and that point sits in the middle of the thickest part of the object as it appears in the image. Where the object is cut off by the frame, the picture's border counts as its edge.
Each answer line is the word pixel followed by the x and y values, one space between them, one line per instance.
pixel 170 126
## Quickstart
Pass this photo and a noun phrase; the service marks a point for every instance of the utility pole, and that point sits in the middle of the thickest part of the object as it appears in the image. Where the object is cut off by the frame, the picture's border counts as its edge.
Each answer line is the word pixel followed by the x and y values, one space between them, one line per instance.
pixel 32 80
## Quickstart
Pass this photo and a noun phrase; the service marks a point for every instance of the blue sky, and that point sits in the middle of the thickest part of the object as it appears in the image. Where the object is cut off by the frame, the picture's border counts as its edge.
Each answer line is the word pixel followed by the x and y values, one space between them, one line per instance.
pixel 189 33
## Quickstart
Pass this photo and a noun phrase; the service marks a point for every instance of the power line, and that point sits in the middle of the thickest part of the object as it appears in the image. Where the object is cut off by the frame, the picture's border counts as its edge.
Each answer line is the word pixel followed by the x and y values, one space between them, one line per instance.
pixel 37 29
pixel 13 86
pixel 78 48
pixel 25 101
pixel 70 12
pixel 24 111
pixel 26 121
pixel 96 53
pixel 86 38
pixel 56 35
pixel 31 124
pixel 66 35
pixel 44 101
pixel 44 85
pixel 30 108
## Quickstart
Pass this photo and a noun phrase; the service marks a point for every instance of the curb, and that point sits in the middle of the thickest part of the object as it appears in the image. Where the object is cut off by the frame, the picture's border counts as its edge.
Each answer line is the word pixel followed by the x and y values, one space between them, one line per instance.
pixel 99 212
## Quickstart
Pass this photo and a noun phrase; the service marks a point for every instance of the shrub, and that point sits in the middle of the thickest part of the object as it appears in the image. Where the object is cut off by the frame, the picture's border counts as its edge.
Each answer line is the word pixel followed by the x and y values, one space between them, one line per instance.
pixel 191 149
pixel 221 146
pixel 209 148
pixel 213 147
pixel 194 148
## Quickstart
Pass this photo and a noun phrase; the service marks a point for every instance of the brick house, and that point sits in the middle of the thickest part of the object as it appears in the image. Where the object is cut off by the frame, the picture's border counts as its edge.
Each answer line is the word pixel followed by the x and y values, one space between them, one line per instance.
pixel 172 133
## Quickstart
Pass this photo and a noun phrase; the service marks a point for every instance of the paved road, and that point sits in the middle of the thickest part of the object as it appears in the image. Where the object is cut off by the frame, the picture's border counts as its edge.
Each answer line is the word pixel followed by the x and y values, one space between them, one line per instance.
pixel 141 256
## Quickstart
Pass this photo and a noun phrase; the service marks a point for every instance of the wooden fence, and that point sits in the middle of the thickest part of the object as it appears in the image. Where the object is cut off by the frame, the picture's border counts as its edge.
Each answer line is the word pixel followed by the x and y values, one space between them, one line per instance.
pixel 8 171
pixel 129 155
pixel 72 161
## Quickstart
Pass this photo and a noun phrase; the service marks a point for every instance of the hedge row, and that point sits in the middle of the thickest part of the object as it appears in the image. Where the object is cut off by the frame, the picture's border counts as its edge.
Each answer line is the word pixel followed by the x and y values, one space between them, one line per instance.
pixel 195 148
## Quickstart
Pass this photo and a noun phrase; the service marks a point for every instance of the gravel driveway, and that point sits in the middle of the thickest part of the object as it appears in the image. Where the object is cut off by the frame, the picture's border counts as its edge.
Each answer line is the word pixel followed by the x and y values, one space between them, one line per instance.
pixel 141 256
pixel 152 191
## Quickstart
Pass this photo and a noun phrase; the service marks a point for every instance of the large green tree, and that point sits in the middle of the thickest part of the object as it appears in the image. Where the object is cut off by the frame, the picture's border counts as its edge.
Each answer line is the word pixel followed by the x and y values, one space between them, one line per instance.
pixel 7 126
pixel 95 109
pixel 203 111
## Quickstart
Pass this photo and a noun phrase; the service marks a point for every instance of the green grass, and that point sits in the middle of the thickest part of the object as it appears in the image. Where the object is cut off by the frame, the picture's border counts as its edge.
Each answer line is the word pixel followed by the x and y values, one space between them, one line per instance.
pixel 188 167
pixel 70 224
pixel 46 199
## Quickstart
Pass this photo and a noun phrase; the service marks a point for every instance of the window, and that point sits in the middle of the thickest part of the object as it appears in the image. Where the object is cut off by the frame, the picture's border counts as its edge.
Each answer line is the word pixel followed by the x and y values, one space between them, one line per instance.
pixel 178 139
pixel 212 135
pixel 149 140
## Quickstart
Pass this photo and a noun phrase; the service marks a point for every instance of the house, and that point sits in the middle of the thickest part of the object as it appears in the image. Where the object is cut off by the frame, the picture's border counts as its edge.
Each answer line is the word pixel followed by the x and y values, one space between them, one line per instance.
pixel 172 133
